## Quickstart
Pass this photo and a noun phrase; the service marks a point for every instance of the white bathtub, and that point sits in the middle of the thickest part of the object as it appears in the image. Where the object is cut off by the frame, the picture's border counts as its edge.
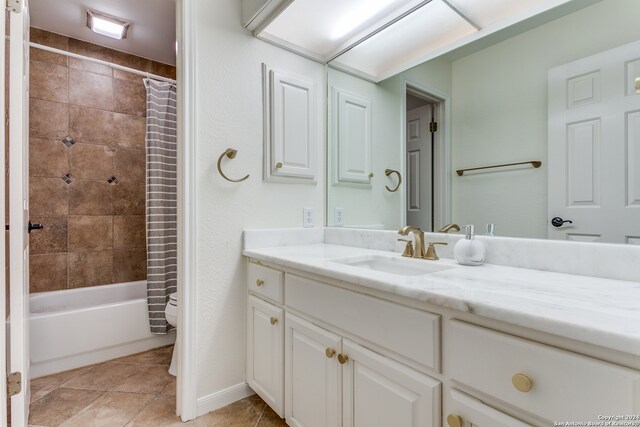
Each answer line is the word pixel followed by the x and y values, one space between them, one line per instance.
pixel 78 327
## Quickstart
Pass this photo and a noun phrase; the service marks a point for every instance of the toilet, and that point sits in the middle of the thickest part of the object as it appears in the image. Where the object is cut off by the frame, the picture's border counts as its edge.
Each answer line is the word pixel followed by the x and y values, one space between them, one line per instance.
pixel 171 314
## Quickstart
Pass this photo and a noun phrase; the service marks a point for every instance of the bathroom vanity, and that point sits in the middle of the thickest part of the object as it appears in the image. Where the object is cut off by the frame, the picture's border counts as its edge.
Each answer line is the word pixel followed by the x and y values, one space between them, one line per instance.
pixel 349 336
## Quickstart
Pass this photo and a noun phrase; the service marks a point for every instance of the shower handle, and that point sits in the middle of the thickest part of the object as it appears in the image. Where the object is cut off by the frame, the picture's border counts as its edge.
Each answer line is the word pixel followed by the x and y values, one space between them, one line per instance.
pixel 34 227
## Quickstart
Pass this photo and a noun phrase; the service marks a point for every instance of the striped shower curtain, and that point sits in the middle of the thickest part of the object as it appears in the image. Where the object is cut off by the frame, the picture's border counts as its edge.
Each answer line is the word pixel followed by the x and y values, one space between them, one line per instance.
pixel 161 147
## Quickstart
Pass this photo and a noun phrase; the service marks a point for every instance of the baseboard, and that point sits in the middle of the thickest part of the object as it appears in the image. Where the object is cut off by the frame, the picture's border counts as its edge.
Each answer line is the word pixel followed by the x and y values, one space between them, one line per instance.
pixel 211 402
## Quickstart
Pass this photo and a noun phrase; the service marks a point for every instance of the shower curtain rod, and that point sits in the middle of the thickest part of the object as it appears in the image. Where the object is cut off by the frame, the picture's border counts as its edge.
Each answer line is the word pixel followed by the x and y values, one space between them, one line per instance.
pixel 99 61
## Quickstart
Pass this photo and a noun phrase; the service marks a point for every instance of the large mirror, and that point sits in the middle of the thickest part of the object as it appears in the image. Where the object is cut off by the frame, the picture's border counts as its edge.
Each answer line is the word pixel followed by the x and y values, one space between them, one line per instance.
pixel 558 99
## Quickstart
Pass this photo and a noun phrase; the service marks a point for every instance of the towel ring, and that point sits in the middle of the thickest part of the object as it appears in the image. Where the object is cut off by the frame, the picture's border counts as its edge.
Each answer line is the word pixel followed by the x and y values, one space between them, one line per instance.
pixel 230 153
pixel 389 172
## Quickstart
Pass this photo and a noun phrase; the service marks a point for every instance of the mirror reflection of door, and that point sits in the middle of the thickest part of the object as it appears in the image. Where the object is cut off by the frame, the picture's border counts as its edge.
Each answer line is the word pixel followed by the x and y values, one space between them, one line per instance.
pixel 420 166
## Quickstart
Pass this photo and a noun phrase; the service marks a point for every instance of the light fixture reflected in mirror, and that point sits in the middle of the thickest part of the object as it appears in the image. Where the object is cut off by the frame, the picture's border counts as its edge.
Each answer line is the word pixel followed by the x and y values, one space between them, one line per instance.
pixel 107 25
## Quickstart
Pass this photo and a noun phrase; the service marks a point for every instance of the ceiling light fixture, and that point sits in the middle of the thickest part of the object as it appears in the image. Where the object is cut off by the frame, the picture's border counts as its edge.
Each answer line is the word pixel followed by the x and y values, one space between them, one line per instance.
pixel 107 25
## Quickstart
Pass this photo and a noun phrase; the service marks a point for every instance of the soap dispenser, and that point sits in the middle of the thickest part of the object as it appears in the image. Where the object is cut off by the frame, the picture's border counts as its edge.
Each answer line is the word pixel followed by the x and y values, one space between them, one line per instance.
pixel 469 251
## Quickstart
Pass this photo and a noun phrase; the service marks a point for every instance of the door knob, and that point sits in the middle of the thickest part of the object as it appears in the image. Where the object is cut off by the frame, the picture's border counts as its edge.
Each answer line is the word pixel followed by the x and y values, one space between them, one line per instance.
pixel 34 227
pixel 558 222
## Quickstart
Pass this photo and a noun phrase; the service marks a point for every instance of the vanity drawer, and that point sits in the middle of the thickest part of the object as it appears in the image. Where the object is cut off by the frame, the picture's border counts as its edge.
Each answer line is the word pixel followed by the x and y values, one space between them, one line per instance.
pixel 563 385
pixel 410 333
pixel 266 282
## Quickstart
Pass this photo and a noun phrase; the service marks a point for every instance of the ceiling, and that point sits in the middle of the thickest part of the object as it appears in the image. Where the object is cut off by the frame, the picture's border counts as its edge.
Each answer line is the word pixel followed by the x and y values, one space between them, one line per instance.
pixel 152 33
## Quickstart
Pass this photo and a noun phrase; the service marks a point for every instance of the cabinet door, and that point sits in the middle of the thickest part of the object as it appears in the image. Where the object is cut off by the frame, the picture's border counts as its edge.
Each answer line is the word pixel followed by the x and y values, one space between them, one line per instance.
pixel 265 330
pixel 312 375
pixel 465 411
pixel 381 392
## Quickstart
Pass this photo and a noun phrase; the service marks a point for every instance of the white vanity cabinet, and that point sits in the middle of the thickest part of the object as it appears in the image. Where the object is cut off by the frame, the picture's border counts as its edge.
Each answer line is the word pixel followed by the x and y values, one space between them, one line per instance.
pixel 466 411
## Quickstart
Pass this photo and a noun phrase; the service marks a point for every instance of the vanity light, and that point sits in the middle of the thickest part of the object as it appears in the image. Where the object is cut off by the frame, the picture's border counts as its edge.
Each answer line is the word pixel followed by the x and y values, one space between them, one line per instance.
pixel 638 85
pixel 106 25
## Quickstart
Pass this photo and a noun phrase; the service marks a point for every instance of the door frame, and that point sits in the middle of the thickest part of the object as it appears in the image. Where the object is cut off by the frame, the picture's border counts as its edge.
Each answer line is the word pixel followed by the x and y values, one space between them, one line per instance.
pixel 442 151
pixel 186 395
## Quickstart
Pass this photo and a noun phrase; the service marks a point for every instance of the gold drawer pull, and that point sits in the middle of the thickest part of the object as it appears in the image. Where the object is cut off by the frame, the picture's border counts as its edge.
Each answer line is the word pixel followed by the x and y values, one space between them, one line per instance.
pixel 279 165
pixel 259 282
pixel 342 358
pixel 454 420
pixel 330 352
pixel 522 382
pixel 274 320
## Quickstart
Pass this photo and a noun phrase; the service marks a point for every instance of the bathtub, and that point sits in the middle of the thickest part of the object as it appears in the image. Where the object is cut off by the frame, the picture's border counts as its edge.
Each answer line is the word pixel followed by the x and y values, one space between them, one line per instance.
pixel 78 327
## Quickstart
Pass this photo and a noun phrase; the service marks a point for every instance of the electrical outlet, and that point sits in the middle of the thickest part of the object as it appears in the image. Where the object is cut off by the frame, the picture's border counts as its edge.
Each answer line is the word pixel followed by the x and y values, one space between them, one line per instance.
pixel 307 217
pixel 338 217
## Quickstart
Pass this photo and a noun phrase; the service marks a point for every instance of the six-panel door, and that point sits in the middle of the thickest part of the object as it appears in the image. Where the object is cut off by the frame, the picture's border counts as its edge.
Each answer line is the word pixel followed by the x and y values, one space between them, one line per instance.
pixel 265 330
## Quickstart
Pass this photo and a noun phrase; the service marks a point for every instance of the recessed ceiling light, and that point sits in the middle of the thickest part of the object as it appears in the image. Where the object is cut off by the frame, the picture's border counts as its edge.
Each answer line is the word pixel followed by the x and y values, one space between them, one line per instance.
pixel 107 25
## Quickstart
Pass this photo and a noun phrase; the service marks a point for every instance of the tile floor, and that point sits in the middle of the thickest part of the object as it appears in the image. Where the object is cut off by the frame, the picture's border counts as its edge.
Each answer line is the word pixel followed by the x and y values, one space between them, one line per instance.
pixel 131 391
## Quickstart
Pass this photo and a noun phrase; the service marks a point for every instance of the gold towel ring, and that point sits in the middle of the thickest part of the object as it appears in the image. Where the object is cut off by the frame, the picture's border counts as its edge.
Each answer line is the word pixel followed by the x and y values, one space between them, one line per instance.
pixel 230 153
pixel 389 172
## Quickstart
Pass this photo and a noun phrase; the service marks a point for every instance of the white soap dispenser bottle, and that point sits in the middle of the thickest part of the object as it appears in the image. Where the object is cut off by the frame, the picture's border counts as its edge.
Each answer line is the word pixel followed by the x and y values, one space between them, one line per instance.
pixel 469 251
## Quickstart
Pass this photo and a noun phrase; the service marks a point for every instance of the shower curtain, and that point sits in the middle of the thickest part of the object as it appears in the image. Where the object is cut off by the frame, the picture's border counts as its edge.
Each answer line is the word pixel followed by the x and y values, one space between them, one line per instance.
pixel 161 150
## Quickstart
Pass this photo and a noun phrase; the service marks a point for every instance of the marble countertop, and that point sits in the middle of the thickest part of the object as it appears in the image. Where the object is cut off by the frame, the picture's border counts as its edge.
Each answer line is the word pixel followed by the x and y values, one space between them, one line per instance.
pixel 603 312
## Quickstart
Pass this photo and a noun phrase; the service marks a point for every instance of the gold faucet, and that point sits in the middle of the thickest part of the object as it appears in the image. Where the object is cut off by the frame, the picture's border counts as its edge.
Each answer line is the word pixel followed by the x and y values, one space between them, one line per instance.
pixel 431 251
pixel 449 227
pixel 418 252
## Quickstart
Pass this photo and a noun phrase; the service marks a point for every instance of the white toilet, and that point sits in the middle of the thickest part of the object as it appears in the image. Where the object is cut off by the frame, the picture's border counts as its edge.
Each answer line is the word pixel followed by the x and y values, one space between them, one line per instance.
pixel 171 314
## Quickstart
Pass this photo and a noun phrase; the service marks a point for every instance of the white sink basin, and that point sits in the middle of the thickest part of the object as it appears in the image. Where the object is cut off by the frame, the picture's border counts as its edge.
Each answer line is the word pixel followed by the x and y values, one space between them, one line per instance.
pixel 395 265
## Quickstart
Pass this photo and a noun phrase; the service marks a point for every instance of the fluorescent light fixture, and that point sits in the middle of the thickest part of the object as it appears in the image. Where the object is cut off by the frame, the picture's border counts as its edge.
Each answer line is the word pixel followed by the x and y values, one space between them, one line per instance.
pixel 107 25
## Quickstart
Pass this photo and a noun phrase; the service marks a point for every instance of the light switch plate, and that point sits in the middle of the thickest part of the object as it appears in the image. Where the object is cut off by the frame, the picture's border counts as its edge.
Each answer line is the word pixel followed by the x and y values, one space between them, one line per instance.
pixel 307 217
pixel 338 217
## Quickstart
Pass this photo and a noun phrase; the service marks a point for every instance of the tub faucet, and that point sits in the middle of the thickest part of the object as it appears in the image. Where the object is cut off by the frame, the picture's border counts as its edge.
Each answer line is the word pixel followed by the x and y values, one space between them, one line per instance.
pixel 418 251
pixel 449 227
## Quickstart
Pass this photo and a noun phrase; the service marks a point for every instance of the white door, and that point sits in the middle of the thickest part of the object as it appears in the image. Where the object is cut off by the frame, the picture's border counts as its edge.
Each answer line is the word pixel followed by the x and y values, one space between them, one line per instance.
pixel 265 358
pixel 381 392
pixel 19 209
pixel 466 411
pixel 419 168
pixel 312 375
pixel 3 220
pixel 594 148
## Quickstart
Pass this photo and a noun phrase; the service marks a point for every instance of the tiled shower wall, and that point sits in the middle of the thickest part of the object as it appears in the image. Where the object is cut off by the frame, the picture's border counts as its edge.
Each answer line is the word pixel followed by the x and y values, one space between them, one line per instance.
pixel 86 165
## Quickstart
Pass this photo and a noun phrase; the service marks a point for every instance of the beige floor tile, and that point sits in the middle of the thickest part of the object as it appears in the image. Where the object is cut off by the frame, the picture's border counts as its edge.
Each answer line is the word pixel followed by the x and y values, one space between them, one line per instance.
pixel 170 389
pixel 146 379
pixel 144 357
pixel 163 355
pixel 60 405
pixel 105 376
pixel 243 413
pixel 112 409
pixel 56 380
pixel 161 412
pixel 270 419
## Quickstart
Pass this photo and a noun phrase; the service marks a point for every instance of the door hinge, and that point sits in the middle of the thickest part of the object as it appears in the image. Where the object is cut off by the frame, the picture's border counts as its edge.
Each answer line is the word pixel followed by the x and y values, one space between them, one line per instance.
pixel 14 6
pixel 433 127
pixel 14 383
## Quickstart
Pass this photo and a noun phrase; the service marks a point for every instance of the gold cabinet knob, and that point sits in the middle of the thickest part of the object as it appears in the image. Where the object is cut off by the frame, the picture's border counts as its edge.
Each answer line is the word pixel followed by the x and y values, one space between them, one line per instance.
pixel 454 420
pixel 342 358
pixel 330 352
pixel 279 165
pixel 370 174
pixel 522 382
pixel 259 282
pixel 274 320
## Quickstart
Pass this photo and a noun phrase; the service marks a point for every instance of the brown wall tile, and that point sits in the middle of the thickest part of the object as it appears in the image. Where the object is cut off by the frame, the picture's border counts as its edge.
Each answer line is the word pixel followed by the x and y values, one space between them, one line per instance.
pixel 48 39
pixel 164 70
pixel 130 165
pixel 91 67
pixel 88 197
pixel 52 238
pixel 89 233
pixel 90 125
pixel 129 265
pixel 91 90
pixel 130 131
pixel 129 198
pixel 48 81
pixel 130 61
pixel 129 232
pixel 48 119
pixel 130 97
pixel 90 268
pixel 47 272
pixel 48 157
pixel 91 50
pixel 48 197
pixel 90 161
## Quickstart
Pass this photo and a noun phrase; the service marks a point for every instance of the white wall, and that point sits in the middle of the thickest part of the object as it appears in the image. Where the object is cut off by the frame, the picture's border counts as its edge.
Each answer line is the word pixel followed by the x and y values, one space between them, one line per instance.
pixel 500 114
pixel 229 114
